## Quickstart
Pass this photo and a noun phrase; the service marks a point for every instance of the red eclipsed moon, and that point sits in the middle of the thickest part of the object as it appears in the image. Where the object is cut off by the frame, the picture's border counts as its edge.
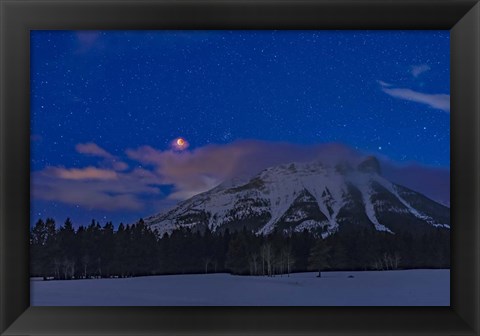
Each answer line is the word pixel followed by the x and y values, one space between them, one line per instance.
pixel 180 144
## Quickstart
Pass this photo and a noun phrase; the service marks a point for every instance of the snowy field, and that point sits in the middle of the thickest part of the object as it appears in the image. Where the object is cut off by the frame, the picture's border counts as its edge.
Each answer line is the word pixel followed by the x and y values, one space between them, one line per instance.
pixel 387 288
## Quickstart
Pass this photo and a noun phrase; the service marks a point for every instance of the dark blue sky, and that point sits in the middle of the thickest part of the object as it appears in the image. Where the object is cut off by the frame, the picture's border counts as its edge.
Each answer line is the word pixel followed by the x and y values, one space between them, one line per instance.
pixel 97 97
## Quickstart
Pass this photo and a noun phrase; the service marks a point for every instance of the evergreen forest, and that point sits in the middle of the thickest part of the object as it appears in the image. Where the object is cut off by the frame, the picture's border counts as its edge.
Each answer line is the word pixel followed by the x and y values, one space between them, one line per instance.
pixel 95 251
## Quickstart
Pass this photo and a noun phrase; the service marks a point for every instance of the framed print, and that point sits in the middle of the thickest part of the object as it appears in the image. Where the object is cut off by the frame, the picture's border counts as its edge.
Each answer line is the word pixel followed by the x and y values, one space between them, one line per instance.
pixel 240 167
pixel 325 197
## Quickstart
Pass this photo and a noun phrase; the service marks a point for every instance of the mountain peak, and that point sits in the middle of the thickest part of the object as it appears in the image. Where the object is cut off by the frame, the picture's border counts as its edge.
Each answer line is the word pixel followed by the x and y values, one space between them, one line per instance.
pixel 312 196
pixel 344 167
pixel 370 165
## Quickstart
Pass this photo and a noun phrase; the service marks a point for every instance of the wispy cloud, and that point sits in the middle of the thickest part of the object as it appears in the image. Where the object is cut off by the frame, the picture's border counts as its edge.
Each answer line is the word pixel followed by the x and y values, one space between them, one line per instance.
pixel 91 195
pixel 95 188
pixel 103 187
pixel 417 70
pixel 437 101
pixel 110 160
pixel 88 173
pixel 93 149
pixel 384 84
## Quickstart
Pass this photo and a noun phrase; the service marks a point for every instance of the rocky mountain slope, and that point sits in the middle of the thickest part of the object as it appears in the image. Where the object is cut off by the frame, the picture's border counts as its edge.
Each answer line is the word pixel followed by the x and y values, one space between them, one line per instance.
pixel 313 196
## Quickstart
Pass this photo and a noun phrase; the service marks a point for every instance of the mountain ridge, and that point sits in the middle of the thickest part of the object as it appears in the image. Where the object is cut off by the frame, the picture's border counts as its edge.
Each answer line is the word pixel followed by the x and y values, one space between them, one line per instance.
pixel 315 196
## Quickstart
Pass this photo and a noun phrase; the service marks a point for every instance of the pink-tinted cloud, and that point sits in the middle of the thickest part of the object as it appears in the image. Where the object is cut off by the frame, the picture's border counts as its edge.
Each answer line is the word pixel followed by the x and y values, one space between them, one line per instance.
pixel 204 168
pixel 106 187
pixel 93 149
pixel 126 192
pixel 119 165
pixel 88 173
pixel 196 171
pixel 110 160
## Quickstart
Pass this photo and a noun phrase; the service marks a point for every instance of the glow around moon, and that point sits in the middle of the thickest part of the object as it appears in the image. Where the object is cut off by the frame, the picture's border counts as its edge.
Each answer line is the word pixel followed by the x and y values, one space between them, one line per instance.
pixel 180 144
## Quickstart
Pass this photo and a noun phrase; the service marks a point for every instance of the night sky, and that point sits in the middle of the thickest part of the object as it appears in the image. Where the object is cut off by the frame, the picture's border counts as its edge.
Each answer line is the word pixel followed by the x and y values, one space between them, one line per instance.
pixel 125 124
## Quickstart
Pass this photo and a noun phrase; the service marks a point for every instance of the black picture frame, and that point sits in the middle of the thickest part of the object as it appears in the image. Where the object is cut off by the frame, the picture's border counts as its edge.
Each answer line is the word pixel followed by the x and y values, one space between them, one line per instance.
pixel 18 17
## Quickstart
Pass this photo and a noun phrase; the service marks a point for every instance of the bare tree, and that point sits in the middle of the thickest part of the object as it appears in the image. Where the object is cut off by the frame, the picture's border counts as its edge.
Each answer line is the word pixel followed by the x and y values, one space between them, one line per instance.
pixel 376 265
pixel 56 265
pixel 68 266
pixel 289 259
pixel 72 269
pixel 267 256
pixel 263 260
pixel 85 260
pixel 99 265
pixel 253 262
pixel 286 260
pixel 206 262
pixel 387 262
pixel 65 268
pixel 396 260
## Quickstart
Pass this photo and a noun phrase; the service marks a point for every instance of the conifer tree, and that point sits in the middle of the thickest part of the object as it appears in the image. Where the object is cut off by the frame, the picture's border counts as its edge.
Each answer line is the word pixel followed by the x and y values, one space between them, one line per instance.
pixel 320 257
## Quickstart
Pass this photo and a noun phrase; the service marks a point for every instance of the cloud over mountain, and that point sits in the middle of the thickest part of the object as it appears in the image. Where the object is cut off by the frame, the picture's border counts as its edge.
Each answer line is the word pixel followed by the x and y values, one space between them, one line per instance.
pixel 153 175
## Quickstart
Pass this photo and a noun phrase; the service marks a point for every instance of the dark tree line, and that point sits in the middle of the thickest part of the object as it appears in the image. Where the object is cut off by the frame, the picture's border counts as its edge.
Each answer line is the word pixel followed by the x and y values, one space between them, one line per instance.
pixel 135 250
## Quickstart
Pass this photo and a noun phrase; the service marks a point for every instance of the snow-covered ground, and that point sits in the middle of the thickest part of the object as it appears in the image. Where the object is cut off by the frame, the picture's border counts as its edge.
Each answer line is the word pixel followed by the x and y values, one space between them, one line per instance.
pixel 387 288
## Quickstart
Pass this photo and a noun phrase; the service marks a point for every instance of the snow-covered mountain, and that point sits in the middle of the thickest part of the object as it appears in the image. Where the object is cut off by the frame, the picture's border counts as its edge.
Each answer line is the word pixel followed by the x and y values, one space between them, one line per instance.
pixel 313 196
